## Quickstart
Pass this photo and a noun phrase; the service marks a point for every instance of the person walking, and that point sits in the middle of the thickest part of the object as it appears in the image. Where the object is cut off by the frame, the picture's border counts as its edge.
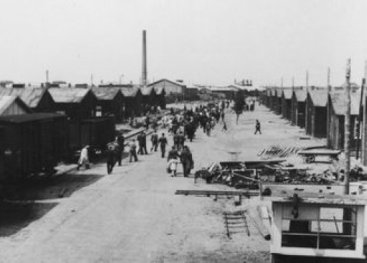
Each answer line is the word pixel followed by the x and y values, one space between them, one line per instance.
pixel 139 138
pixel 257 127
pixel 145 143
pixel 176 140
pixel 208 127
pixel 154 140
pixel 111 152
pixel 84 158
pixel 147 122
pixel 163 142
pixel 142 141
pixel 173 160
pixel 222 114
pixel 132 151
pixel 186 160
pixel 120 139
pixel 181 140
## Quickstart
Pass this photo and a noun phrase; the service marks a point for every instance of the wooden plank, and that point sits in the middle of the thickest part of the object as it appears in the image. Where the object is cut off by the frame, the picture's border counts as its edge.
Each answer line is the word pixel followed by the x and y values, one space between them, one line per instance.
pixel 217 192
pixel 320 152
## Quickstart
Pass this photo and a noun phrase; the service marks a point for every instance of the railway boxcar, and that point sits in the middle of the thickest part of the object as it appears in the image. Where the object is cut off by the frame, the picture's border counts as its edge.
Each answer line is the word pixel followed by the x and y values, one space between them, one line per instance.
pixel 95 132
pixel 31 144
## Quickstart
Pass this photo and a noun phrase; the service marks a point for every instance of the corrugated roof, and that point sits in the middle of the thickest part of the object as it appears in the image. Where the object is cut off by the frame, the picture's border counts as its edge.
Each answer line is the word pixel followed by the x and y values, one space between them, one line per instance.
pixel 129 92
pixel 339 104
pixel 106 93
pixel 68 95
pixel 319 97
pixel 301 95
pixel 5 102
pixel 31 96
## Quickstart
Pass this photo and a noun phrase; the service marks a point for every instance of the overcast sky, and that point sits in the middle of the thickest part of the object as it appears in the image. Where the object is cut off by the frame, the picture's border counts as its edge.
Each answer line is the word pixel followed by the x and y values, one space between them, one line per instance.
pixel 199 41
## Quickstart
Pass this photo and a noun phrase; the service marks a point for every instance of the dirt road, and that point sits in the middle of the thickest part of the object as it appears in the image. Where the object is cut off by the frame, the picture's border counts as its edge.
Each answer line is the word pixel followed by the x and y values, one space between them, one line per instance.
pixel 133 215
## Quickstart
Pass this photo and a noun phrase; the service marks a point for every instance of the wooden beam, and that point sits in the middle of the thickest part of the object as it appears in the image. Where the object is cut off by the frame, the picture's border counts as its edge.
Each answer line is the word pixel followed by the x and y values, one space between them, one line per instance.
pixel 217 192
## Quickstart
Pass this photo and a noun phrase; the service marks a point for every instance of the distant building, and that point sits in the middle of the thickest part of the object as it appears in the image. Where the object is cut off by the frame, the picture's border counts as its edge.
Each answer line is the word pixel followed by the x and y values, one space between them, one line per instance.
pixel 170 87
pixel 227 91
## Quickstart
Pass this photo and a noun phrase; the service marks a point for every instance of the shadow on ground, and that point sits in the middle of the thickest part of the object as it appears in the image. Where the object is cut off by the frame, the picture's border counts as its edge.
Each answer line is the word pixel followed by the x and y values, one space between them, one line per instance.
pixel 43 188
pixel 15 216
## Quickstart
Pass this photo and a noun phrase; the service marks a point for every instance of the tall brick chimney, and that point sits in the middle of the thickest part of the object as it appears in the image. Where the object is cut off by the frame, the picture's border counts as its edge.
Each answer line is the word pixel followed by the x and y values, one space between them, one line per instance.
pixel 144 63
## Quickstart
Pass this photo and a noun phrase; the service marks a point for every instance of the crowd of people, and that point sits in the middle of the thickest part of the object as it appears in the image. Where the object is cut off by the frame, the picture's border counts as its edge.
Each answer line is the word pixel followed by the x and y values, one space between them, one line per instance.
pixel 180 125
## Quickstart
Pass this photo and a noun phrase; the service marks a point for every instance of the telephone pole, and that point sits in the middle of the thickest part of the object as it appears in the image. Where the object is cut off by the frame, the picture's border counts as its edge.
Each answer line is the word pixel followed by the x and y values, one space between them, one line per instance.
pixel 347 128
pixel 306 78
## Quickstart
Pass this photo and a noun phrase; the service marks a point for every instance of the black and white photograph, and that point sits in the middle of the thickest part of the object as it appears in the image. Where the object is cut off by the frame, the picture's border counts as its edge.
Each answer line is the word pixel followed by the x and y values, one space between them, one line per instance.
pixel 183 131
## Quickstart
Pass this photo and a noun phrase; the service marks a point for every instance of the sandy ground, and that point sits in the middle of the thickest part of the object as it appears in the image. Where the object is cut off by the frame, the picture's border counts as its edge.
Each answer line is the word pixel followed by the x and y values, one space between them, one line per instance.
pixel 133 215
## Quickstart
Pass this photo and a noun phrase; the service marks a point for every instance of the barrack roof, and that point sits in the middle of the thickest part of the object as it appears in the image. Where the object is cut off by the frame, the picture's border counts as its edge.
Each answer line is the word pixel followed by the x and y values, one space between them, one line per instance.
pixel 129 92
pixel 287 93
pixel 5 102
pixel 300 94
pixel 30 96
pixel 159 90
pixel 339 103
pixel 68 95
pixel 106 93
pixel 319 97
pixel 146 91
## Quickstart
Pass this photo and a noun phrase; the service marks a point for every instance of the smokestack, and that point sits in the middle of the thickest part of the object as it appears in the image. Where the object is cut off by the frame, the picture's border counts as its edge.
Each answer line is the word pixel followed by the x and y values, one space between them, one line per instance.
pixel 144 69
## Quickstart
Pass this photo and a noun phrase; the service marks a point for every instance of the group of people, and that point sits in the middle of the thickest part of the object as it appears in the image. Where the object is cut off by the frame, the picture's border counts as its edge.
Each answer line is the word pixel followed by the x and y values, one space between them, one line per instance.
pixel 181 126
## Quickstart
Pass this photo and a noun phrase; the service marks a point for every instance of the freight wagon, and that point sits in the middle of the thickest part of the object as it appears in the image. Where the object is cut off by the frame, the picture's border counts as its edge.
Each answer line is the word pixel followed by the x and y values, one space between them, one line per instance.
pixel 31 144
pixel 95 132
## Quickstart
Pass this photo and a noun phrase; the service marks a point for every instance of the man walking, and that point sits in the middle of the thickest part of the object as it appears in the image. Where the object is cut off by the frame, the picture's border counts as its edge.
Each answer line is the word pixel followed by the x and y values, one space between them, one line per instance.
pixel 181 140
pixel 145 143
pixel 154 140
pixel 257 127
pixel 121 145
pixel 110 156
pixel 163 142
pixel 142 140
pixel 132 151
pixel 84 158
pixel 186 160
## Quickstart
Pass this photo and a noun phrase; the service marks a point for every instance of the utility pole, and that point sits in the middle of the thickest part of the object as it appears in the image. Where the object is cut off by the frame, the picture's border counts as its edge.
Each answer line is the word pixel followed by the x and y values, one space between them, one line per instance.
pixel 347 128
pixel 360 114
pixel 91 80
pixel 281 82
pixel 306 78
pixel 47 80
pixel 292 81
pixel 364 124
pixel 328 79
